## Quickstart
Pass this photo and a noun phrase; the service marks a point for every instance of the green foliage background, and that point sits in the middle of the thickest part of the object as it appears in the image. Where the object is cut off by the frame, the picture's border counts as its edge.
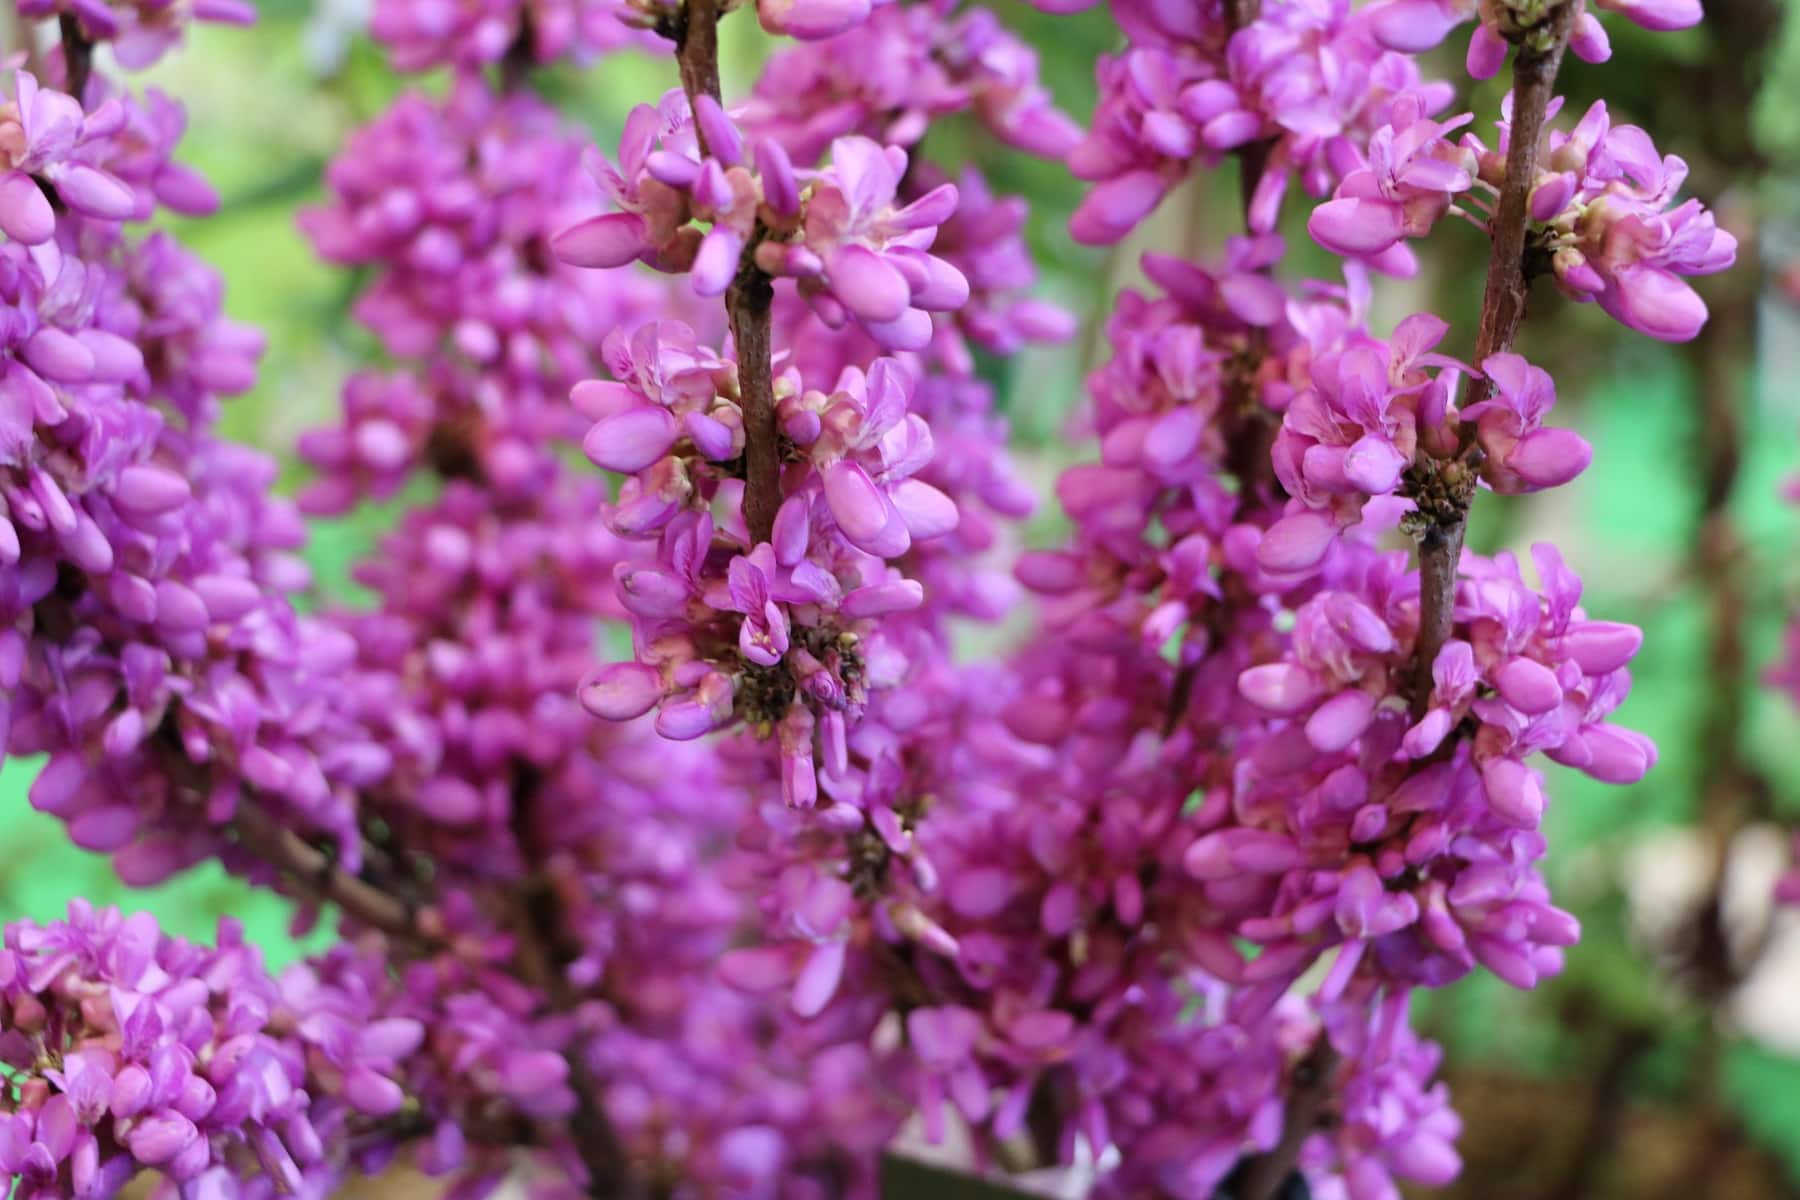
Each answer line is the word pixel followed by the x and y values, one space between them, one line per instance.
pixel 264 119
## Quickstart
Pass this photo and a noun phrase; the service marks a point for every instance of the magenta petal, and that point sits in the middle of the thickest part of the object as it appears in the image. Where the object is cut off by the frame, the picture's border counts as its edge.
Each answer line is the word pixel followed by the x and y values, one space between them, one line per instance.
pixel 1411 26
pixel 1600 647
pixel 1340 720
pixel 157 1138
pixel 622 691
pixel 866 284
pixel 1547 458
pixel 1657 15
pixel 1486 55
pixel 781 192
pixel 1616 755
pixel 818 980
pixel 716 263
pixel 685 721
pixel 811 20
pixel 1354 226
pixel 606 241
pixel 1297 542
pixel 1374 465
pixel 1514 791
pixel 756 968
pixel 945 288
pixel 928 512
pixel 856 503
pixel 92 191
pixel 57 356
pixel 372 1094
pixel 25 212
pixel 632 440
pixel 1655 302
pixel 880 599
pixel 149 490
pixel 723 141
pixel 1280 688
pixel 1528 686
pixel 1114 207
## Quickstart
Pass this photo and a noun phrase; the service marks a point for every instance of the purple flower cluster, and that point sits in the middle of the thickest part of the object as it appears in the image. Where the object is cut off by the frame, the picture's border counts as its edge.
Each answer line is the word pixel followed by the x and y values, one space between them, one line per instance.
pixel 466 670
pixel 128 1051
pixel 139 31
pixel 453 1060
pixel 466 675
pixel 1415 26
pixel 856 251
pixel 781 633
pixel 1600 211
pixel 907 66
pixel 1411 843
pixel 1308 82
pixel 147 639
pixel 1372 410
pixel 454 201
pixel 1155 888
pixel 422 34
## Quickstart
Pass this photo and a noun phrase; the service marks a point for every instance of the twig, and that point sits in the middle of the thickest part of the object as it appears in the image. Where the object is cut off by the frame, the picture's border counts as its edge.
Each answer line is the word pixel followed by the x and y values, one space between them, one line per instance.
pixel 540 961
pixel 1535 64
pixel 697 52
pixel 516 63
pixel 1249 452
pixel 316 876
pixel 78 57
pixel 1262 1177
pixel 750 299
pixel 1603 1117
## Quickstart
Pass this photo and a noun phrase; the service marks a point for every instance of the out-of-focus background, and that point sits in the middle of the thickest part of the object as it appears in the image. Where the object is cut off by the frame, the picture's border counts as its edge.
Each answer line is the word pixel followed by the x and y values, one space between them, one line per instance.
pixel 1665 1062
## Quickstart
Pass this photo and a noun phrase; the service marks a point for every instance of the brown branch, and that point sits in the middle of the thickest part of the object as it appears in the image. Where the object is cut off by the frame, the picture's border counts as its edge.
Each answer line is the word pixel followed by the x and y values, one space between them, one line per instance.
pixel 316 876
pixel 520 56
pixel 78 57
pixel 750 299
pixel 697 51
pixel 1603 1116
pixel 1249 455
pixel 1239 13
pixel 1535 63
pixel 1309 1095
pixel 541 960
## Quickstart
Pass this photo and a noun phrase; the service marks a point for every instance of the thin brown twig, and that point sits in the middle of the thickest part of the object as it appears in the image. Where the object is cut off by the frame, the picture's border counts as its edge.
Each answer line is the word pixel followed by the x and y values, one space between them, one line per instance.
pixel 316 876
pixel 750 300
pixel 697 51
pixel 540 964
pixel 1309 1097
pixel 1248 454
pixel 1535 63
pixel 78 56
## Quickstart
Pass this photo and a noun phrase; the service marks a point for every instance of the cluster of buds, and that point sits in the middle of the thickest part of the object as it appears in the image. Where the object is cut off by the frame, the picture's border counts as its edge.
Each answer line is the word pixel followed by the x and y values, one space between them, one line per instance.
pixel 775 631
pixel 128 1051
pixel 1412 843
pixel 1310 81
pixel 1373 411
pixel 1415 26
pixel 139 31
pixel 855 252
pixel 1600 202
